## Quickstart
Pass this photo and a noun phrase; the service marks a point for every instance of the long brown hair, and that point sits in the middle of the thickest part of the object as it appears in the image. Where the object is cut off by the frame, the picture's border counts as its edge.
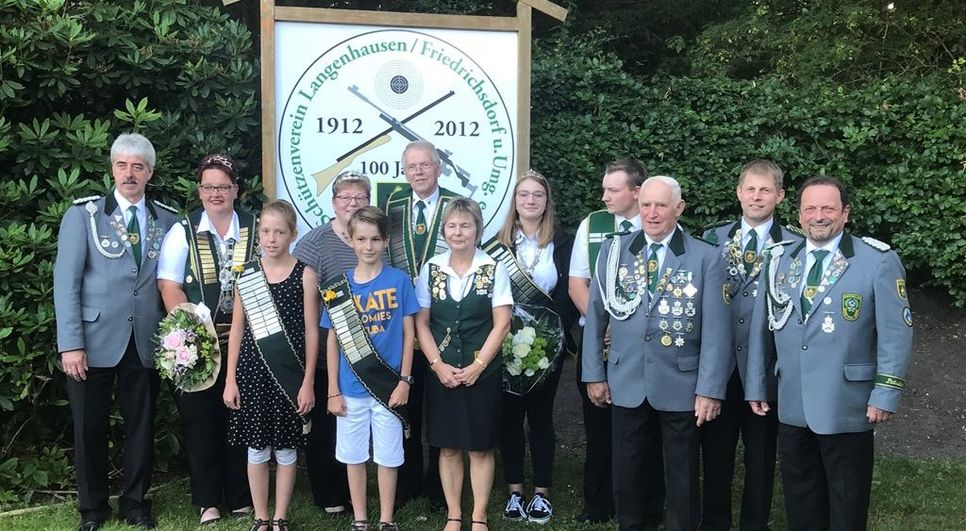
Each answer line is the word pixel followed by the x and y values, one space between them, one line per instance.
pixel 548 221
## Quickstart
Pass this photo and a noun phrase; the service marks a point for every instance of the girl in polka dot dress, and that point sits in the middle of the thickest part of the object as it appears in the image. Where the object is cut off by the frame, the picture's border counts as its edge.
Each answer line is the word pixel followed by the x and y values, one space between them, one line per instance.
pixel 265 417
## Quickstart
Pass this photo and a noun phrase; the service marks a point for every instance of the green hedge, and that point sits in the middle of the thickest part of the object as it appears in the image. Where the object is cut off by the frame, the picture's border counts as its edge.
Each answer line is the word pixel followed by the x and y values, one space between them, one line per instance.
pixel 900 145
pixel 74 75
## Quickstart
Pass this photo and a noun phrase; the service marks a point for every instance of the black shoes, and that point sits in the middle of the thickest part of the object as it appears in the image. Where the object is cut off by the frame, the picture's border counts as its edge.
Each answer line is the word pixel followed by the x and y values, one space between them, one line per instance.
pixel 141 521
pixel 514 507
pixel 589 518
pixel 89 525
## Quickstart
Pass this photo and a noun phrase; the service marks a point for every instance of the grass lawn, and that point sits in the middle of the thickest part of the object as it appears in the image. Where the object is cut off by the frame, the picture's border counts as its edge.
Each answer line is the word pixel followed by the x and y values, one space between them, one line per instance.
pixel 906 495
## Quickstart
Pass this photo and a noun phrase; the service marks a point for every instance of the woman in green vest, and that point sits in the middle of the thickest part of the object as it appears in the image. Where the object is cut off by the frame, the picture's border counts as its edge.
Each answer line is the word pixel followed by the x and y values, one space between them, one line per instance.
pixel 465 299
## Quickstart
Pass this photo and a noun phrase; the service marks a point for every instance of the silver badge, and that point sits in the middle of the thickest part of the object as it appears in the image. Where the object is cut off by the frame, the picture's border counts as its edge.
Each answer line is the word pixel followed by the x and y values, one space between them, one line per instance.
pixel 663 308
pixel 105 243
pixel 679 341
pixel 690 291
pixel 828 326
pixel 678 309
pixel 827 301
pixel 689 309
pixel 677 325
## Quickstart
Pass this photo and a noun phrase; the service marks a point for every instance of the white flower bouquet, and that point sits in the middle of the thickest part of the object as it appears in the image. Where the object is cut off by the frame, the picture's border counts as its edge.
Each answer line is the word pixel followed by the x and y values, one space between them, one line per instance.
pixel 531 349
pixel 188 353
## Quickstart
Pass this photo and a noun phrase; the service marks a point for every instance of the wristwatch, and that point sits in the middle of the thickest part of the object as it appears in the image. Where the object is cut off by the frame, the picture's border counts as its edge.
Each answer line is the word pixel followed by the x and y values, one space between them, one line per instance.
pixel 407 379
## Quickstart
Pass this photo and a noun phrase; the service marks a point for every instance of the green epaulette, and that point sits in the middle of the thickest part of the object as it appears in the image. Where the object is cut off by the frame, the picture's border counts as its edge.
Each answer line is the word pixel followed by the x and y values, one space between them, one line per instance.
pixel 708 233
pixel 87 199
pixel 876 244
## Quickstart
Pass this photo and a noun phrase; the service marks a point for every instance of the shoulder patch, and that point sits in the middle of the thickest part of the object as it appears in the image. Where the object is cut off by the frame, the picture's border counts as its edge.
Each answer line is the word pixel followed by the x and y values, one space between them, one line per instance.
pixel 718 224
pixel 876 244
pixel 87 199
pixel 165 207
pixel 794 229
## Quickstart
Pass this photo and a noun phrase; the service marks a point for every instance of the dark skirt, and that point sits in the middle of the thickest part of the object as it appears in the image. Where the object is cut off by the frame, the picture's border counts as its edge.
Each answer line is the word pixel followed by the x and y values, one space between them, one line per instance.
pixel 467 418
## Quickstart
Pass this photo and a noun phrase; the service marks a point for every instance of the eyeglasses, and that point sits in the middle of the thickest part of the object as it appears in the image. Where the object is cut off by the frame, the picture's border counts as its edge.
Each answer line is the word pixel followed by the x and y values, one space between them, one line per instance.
pixel 353 198
pixel 222 189
pixel 526 194
pixel 425 166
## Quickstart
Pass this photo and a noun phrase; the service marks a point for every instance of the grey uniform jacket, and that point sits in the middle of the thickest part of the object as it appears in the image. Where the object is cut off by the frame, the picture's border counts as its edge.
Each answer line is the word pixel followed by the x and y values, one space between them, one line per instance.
pixel 744 287
pixel 678 341
pixel 851 351
pixel 101 296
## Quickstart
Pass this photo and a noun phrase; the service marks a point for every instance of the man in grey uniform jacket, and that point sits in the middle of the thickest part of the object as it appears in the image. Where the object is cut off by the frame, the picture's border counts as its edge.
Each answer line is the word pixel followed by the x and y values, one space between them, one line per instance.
pixel 662 292
pixel 840 347
pixel 741 243
pixel 108 308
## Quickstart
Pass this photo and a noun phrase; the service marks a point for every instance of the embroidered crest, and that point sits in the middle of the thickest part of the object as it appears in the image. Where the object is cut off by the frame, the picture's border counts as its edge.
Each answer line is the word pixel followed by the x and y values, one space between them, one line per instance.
pixel 907 316
pixel 901 289
pixel 851 305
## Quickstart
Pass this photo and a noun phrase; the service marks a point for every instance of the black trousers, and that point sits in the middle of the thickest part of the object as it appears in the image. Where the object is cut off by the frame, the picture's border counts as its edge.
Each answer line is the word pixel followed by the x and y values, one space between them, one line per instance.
pixel 598 482
pixel 827 478
pixel 327 476
pixel 639 434
pixel 90 404
pixel 412 480
pixel 719 440
pixel 218 472
pixel 537 407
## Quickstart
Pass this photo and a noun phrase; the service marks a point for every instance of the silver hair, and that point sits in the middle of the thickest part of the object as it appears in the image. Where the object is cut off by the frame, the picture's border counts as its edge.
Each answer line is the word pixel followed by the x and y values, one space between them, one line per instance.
pixel 133 144
pixel 422 144
pixel 670 181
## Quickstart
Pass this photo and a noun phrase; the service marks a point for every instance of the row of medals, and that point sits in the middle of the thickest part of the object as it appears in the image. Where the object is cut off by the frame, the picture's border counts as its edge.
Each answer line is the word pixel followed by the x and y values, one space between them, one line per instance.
pixel 810 292
pixel 679 286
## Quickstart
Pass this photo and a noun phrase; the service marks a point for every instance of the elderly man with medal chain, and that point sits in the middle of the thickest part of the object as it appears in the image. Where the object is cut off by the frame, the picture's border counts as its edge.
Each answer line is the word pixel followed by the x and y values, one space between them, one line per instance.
pixel 661 292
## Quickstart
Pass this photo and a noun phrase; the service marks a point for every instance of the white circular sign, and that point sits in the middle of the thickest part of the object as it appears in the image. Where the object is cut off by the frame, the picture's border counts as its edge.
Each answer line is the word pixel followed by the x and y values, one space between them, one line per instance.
pixel 356 105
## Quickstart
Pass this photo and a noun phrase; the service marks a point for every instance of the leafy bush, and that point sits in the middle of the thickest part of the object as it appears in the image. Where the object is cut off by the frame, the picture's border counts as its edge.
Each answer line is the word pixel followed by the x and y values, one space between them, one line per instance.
pixel 73 76
pixel 898 144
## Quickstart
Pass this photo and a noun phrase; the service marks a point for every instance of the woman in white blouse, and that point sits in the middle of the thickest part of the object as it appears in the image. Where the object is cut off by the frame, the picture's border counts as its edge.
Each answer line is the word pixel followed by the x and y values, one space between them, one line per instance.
pixel 540 259
pixel 465 299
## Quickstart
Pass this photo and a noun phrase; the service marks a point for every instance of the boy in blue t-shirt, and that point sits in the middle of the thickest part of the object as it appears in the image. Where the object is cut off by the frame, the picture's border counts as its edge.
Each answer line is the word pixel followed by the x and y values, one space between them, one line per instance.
pixel 386 302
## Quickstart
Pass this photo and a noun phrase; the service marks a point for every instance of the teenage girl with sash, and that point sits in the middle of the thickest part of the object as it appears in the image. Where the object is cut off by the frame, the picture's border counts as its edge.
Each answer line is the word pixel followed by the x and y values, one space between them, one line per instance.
pixel 537 256
pixel 272 351
pixel 465 299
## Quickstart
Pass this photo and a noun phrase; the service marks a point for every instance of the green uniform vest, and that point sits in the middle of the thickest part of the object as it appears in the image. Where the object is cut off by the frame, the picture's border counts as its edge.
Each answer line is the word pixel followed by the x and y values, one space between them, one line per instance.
pixel 600 225
pixel 460 328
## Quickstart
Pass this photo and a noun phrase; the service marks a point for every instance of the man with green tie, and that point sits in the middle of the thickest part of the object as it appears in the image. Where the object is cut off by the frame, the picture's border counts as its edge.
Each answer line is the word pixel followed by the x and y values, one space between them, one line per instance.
pixel 741 242
pixel 832 322
pixel 108 309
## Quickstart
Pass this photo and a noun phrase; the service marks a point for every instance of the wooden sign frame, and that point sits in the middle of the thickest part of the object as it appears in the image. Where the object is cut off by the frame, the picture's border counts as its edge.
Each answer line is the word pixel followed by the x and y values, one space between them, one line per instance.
pixel 522 24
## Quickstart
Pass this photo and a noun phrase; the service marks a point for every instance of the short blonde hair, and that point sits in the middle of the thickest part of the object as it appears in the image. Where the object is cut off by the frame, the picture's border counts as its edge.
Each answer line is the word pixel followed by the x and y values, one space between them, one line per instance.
pixel 464 205
pixel 282 209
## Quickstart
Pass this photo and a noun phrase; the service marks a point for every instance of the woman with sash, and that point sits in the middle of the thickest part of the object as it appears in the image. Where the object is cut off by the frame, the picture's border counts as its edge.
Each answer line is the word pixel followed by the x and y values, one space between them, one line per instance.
pixel 195 265
pixel 272 354
pixel 465 299
pixel 536 254
pixel 327 250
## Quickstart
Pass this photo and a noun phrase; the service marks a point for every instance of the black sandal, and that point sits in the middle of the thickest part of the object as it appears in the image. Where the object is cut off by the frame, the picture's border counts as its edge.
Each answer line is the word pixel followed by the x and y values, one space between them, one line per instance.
pixel 359 525
pixel 475 522
pixel 280 525
pixel 456 519
pixel 258 523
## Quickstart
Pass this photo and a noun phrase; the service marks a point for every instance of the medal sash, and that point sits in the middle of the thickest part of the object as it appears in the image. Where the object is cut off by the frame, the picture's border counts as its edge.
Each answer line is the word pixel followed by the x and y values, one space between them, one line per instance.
pixel 271 339
pixel 402 247
pixel 202 280
pixel 375 375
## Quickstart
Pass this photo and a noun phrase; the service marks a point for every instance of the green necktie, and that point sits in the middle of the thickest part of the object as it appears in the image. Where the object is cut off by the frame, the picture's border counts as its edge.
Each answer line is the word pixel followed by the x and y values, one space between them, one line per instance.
pixel 134 234
pixel 420 230
pixel 652 268
pixel 626 226
pixel 813 280
pixel 751 252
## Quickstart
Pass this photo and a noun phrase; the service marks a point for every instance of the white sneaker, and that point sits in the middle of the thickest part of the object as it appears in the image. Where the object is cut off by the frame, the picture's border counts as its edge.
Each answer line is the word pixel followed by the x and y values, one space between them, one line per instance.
pixel 514 507
pixel 539 509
